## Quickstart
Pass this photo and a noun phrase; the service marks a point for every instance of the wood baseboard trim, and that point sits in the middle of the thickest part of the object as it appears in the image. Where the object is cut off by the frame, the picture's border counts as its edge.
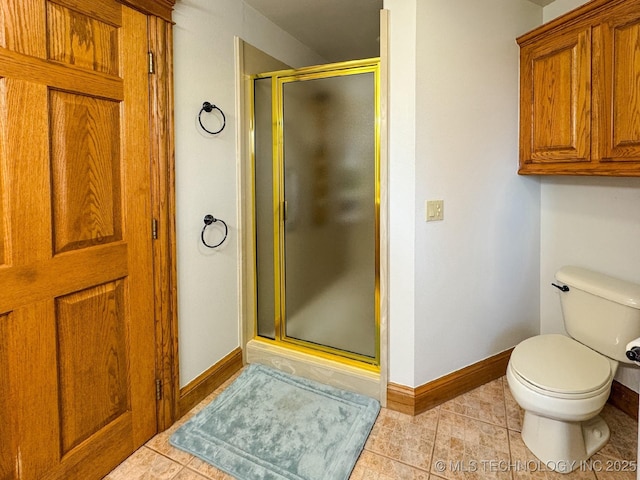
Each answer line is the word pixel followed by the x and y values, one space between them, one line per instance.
pixel 414 401
pixel 624 399
pixel 197 390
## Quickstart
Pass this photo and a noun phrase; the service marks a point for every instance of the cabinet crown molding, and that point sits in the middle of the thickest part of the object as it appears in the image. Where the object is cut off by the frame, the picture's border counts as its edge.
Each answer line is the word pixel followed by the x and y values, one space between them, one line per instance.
pixel 567 20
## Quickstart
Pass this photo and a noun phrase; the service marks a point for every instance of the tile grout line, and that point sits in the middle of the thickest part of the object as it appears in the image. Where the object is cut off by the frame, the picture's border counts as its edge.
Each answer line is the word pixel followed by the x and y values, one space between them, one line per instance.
pixel 435 437
pixel 506 421
pixel 177 462
pixel 506 426
pixel 402 462
pixel 201 474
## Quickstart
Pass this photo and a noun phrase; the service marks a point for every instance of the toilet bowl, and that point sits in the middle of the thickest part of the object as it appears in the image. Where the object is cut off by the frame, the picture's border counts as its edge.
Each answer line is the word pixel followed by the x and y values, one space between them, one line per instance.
pixel 563 382
pixel 562 387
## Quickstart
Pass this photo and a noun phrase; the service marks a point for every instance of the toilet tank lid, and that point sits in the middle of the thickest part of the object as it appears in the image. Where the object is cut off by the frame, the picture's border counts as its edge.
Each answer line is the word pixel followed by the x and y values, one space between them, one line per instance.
pixel 610 288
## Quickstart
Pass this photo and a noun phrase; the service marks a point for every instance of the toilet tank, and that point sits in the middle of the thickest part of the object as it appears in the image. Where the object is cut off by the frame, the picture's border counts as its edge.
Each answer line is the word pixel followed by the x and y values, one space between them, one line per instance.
pixel 600 311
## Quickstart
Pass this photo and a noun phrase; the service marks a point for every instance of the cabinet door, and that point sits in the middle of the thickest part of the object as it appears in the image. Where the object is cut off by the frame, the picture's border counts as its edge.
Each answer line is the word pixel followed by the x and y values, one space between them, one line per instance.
pixel 616 93
pixel 555 101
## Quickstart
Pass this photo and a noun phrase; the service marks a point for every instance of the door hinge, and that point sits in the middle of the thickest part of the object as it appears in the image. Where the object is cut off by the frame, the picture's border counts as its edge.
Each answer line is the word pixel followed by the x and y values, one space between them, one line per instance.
pixel 158 389
pixel 154 229
pixel 152 66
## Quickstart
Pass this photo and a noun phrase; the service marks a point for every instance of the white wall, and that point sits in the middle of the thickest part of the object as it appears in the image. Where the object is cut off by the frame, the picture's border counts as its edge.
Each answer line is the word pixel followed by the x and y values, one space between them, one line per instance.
pixel 480 279
pixel 476 273
pixel 402 169
pixel 465 288
pixel 592 222
pixel 460 290
pixel 559 7
pixel 206 169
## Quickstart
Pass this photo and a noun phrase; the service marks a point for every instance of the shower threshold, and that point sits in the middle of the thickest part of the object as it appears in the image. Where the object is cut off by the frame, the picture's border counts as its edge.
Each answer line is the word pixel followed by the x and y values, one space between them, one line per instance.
pixel 324 370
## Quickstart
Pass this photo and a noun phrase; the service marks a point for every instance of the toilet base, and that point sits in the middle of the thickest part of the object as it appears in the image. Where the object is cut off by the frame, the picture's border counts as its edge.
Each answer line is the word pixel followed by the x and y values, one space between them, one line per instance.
pixel 561 446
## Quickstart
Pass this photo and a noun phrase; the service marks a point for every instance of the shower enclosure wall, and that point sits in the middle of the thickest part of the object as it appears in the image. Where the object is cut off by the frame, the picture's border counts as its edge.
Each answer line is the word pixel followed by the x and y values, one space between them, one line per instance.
pixel 316 201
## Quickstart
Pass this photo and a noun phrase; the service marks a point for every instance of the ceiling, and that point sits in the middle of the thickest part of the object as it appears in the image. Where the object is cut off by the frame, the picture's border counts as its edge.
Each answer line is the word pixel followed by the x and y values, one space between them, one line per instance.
pixel 336 29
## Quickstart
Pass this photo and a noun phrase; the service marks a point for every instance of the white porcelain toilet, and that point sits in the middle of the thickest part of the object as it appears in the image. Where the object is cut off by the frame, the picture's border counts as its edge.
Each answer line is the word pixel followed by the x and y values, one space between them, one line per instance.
pixel 563 383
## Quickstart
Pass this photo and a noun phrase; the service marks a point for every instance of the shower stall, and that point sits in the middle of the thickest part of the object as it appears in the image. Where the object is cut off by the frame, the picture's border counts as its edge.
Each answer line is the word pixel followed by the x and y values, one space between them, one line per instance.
pixel 316 211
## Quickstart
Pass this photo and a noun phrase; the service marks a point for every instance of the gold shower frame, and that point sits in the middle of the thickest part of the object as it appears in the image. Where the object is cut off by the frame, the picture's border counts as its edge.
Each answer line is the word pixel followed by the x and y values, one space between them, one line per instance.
pixel 278 80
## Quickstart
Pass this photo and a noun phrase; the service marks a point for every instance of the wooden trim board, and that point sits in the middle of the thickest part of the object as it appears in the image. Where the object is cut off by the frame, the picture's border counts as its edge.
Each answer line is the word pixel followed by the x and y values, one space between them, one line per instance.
pixel 420 399
pixel 159 8
pixel 414 401
pixel 624 399
pixel 163 211
pixel 196 391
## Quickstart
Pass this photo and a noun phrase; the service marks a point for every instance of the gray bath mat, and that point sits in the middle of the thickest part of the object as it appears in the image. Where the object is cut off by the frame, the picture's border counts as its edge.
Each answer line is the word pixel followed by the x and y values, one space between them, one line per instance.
pixel 271 425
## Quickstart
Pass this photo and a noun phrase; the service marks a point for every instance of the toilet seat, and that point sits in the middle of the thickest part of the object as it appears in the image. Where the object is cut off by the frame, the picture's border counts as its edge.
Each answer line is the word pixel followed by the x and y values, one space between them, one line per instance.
pixel 558 366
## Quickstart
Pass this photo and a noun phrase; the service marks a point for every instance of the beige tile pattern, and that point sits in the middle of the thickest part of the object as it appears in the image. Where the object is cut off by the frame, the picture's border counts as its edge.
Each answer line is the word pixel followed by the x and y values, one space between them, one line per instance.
pixel 474 436
pixel 485 403
pixel 515 414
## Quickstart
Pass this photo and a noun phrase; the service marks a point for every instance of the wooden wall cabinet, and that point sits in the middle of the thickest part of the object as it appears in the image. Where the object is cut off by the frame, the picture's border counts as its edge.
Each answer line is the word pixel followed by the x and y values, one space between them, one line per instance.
pixel 580 92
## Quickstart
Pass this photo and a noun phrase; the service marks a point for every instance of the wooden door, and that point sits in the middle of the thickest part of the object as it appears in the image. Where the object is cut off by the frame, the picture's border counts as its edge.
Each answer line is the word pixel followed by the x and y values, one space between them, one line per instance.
pixel 555 99
pixel 77 348
pixel 617 86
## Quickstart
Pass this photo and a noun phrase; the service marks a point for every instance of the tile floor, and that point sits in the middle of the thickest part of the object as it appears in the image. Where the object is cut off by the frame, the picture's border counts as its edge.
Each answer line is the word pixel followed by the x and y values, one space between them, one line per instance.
pixel 474 436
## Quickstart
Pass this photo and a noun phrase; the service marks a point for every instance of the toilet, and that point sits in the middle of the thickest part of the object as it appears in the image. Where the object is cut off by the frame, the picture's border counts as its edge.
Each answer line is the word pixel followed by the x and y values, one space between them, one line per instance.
pixel 563 383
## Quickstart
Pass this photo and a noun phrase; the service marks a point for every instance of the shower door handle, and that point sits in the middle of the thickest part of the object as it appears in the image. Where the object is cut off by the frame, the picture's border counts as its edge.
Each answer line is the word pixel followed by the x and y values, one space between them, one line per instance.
pixel 285 205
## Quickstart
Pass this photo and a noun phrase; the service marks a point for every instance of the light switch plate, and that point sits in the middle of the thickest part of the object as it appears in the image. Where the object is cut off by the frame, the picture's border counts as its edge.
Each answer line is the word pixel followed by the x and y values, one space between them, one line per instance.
pixel 435 210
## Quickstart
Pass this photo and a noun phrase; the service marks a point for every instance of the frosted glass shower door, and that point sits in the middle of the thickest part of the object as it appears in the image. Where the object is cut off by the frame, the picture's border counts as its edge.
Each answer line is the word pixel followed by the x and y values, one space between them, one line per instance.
pixel 329 191
pixel 316 209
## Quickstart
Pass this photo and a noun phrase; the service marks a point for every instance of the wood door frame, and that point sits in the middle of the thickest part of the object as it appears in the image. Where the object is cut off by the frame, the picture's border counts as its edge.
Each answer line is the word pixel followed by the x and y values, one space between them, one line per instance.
pixel 163 206
pixel 160 31
pixel 158 8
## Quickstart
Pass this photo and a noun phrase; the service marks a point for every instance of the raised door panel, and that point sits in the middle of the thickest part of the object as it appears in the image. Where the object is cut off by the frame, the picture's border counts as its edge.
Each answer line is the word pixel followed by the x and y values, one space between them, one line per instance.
pixel 77 348
pixel 556 100
pixel 86 42
pixel 617 90
pixel 91 331
pixel 33 430
pixel 24 149
pixel 16 17
pixel 85 170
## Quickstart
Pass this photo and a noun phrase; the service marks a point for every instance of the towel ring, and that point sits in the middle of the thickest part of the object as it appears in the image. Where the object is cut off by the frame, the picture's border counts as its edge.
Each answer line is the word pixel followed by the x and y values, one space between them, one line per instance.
pixel 209 107
pixel 208 220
